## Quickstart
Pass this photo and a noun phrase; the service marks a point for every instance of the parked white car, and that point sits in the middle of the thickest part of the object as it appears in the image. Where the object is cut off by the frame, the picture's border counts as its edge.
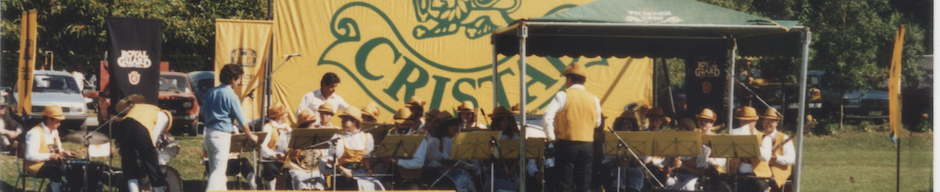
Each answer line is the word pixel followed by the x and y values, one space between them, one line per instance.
pixel 57 88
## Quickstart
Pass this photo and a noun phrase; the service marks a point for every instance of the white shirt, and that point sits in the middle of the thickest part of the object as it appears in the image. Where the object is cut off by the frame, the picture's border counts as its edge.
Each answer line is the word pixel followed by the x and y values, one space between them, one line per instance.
pixel 79 79
pixel 558 104
pixel 162 121
pixel 282 140
pixel 314 99
pixel 33 143
pixel 743 130
pixel 417 161
pixel 354 141
pixel 789 152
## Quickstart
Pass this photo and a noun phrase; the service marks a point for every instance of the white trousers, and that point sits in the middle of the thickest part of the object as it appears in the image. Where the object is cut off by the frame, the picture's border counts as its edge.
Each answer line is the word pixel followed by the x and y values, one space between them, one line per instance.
pixel 217 144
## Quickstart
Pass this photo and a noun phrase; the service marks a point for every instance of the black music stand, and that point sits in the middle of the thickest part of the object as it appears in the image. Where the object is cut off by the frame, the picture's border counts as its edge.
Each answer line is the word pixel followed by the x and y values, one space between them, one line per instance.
pixel 303 138
pixel 399 146
pixel 240 142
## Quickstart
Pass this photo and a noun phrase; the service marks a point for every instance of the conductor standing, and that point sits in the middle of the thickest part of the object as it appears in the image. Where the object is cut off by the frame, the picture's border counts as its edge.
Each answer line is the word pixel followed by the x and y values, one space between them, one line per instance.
pixel 570 120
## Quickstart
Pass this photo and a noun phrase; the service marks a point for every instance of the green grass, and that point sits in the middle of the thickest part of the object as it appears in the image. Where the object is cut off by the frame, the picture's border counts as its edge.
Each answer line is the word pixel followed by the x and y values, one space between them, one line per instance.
pixel 829 162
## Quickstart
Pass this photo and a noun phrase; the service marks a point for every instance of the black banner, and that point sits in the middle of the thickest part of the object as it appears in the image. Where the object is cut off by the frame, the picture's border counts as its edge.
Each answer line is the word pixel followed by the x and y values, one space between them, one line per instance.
pixel 134 57
pixel 705 83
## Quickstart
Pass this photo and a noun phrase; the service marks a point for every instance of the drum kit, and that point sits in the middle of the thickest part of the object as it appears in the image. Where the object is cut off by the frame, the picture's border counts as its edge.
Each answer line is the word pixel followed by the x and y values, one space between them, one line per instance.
pixel 83 174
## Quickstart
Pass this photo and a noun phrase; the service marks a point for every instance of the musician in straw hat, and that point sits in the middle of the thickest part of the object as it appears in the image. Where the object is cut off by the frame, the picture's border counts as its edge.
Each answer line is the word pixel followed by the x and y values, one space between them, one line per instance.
pixel 352 152
pixel 468 117
pixel 751 172
pixel 274 147
pixel 44 152
pixel 326 116
pixel 782 154
pixel 141 125
pixel 570 120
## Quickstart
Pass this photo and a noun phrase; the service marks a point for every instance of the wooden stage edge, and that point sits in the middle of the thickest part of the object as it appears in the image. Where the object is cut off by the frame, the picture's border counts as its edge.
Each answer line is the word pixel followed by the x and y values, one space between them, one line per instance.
pixel 341 190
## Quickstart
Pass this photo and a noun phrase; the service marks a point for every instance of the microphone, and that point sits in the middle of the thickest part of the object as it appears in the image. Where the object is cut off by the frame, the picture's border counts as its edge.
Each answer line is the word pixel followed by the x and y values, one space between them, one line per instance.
pixel 297 54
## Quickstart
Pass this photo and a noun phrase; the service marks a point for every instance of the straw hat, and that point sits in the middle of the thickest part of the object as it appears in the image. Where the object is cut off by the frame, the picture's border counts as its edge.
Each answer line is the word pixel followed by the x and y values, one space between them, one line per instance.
pixel 53 111
pixel 770 114
pixel 276 110
pixel 125 103
pixel 371 109
pixel 575 69
pixel 688 124
pixel 707 114
pixel 746 113
pixel 402 116
pixel 501 112
pixel 446 117
pixel 655 113
pixel 465 107
pixel 352 112
pixel 415 101
pixel 431 114
pixel 326 108
pixel 306 116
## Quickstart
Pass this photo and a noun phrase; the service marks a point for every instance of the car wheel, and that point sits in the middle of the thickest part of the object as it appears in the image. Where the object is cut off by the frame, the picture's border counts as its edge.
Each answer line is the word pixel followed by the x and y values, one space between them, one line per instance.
pixel 194 128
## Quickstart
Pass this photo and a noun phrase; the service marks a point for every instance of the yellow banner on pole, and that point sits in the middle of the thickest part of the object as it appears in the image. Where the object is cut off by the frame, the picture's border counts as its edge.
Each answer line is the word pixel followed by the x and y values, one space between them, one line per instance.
pixel 894 85
pixel 27 62
pixel 244 42
pixel 388 51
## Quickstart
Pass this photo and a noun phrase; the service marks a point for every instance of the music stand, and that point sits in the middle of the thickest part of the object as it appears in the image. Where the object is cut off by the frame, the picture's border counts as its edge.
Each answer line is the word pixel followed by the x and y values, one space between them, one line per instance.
pixel 677 144
pixel 735 146
pixel 472 145
pixel 378 130
pixel 240 142
pixel 640 141
pixel 509 148
pixel 399 146
pixel 303 138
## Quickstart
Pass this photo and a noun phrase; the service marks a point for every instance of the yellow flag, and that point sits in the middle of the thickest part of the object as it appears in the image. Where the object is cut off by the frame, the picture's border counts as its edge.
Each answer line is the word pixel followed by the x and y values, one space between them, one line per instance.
pixel 894 85
pixel 244 42
pixel 27 62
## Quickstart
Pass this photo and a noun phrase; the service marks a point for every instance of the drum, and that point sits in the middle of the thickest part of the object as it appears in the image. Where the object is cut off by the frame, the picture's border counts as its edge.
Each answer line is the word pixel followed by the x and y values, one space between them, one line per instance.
pixel 75 175
pixel 167 148
pixel 174 181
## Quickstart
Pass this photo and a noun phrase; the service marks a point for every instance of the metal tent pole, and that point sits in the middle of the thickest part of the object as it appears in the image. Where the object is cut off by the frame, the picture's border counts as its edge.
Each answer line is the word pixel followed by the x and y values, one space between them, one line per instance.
pixel 807 38
pixel 523 34
pixel 734 51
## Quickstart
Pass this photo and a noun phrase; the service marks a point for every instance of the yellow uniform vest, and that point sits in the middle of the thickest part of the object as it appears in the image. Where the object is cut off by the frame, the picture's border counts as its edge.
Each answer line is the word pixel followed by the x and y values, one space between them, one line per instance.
pixel 146 115
pixel 33 166
pixel 780 172
pixel 576 120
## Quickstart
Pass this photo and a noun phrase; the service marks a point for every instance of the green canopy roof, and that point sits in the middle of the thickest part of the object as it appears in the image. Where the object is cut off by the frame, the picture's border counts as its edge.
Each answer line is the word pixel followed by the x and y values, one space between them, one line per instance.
pixel 654 28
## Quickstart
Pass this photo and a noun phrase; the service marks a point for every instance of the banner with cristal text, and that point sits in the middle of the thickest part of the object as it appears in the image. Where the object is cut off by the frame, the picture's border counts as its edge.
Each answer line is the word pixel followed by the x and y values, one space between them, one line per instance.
pixel 388 51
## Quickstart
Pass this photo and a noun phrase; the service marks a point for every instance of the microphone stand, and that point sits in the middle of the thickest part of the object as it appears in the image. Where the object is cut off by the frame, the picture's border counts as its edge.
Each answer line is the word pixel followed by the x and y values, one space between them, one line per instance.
pixel 624 143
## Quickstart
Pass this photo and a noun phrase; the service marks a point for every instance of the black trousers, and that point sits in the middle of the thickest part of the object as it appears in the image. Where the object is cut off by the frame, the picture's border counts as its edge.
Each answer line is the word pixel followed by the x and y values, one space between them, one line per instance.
pixel 271 170
pixel 747 182
pixel 574 161
pixel 135 143
pixel 54 170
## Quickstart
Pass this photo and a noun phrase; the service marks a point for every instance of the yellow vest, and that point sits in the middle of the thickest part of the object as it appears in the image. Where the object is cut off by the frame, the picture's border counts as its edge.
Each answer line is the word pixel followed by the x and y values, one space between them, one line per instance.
pixel 33 166
pixel 576 120
pixel 780 172
pixel 761 168
pixel 146 115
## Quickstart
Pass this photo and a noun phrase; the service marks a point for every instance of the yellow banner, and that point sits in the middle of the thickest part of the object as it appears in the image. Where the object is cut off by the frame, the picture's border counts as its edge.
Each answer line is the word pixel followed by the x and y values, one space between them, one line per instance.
pixel 389 51
pixel 27 62
pixel 244 42
pixel 894 85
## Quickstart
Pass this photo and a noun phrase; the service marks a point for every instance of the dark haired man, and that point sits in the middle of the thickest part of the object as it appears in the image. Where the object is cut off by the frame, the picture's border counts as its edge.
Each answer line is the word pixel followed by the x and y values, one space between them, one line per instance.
pixel 326 94
pixel 221 110
pixel 570 120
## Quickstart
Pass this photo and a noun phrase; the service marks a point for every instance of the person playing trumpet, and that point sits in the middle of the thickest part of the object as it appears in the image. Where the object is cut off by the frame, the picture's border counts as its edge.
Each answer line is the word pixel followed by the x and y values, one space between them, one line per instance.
pixel 352 151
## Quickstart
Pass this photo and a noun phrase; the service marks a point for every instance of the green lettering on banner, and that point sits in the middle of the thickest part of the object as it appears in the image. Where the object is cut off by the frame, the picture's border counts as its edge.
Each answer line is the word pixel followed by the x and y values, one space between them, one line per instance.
pixel 440 83
pixel 503 101
pixel 402 80
pixel 363 54
pixel 537 76
pixel 460 96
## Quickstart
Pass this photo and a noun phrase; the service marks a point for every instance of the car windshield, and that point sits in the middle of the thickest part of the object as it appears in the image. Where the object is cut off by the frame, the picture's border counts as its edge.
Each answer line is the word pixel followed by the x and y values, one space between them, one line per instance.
pixel 174 83
pixel 55 84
